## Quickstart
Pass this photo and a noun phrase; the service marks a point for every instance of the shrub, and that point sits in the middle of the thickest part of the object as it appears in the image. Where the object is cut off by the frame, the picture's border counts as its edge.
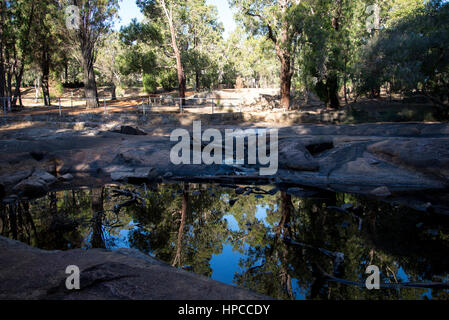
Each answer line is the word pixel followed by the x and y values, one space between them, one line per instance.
pixel 149 83
pixel 59 88
pixel 168 80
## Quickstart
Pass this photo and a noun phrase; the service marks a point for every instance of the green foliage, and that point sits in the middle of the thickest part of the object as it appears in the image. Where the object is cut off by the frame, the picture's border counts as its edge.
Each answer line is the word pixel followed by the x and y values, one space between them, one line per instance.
pixel 149 83
pixel 59 88
pixel 168 79
pixel 412 54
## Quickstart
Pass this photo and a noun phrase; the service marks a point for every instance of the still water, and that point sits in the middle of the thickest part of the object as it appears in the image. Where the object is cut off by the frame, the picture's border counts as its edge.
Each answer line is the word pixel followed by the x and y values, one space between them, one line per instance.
pixel 277 243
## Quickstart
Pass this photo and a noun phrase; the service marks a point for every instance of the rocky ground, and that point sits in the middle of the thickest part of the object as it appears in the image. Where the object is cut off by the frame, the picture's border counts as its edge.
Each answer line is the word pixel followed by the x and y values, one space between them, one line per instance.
pixel 349 158
pixel 406 162
pixel 29 273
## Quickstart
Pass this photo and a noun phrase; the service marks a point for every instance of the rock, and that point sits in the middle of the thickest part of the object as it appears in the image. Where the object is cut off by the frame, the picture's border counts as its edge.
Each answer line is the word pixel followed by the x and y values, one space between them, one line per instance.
pixel 14 178
pixel 130 131
pixel 28 273
pixel 430 155
pixel 79 126
pixel 137 174
pixel 67 177
pixel 294 155
pixel 144 173
pixel 32 187
pixel 45 176
pixel 382 192
pixel 63 169
pixel 127 158
pixel 168 175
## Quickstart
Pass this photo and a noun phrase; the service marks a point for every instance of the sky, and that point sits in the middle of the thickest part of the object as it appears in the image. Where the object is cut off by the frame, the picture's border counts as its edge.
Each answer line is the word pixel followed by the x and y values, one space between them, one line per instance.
pixel 129 10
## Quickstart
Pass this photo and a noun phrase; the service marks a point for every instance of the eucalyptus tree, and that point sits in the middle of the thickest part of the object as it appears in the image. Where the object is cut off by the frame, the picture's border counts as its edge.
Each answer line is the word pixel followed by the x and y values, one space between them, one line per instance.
pixel 16 19
pixel 86 25
pixel 48 51
pixel 167 15
pixel 280 21
pixel 202 41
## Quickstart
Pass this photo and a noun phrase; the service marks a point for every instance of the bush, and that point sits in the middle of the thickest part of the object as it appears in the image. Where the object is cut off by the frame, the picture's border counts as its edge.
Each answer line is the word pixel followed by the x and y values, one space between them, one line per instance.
pixel 149 83
pixel 168 80
pixel 59 88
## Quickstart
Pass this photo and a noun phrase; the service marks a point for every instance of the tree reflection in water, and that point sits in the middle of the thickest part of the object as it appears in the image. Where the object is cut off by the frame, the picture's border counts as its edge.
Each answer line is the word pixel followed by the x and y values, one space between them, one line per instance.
pixel 287 244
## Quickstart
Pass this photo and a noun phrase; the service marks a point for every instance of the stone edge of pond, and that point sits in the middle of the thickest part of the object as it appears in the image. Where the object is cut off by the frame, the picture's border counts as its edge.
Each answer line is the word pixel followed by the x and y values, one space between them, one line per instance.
pixel 28 273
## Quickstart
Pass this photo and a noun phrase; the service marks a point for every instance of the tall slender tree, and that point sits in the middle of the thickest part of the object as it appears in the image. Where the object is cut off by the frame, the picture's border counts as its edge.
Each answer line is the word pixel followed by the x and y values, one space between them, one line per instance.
pixel 280 22
pixel 94 21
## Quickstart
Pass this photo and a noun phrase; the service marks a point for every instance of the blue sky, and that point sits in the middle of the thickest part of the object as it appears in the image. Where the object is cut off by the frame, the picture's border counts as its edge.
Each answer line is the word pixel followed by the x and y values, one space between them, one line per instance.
pixel 129 10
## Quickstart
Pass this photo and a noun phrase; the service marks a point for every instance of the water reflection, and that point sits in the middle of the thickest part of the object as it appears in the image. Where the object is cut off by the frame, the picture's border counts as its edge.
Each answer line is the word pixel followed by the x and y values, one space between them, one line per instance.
pixel 271 242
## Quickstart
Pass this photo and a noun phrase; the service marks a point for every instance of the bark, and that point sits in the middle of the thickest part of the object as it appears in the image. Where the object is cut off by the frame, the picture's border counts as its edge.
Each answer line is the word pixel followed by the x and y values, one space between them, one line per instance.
pixel 45 69
pixel 114 91
pixel 197 80
pixel 90 84
pixel 87 37
pixel 286 81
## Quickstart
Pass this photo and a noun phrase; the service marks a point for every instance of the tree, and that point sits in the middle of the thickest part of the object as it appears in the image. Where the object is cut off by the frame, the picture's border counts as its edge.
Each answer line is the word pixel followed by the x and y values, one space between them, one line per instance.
pixel 202 39
pixel 168 11
pixel 48 49
pixel 107 62
pixel 280 22
pixel 16 20
pixel 412 54
pixel 95 20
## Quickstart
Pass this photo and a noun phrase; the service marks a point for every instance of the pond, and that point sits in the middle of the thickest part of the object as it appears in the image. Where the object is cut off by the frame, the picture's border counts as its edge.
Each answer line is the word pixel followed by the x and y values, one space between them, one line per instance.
pixel 290 244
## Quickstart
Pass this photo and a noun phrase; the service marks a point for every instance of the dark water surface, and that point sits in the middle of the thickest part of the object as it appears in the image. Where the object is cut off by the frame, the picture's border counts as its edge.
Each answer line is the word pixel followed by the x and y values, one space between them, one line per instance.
pixel 272 242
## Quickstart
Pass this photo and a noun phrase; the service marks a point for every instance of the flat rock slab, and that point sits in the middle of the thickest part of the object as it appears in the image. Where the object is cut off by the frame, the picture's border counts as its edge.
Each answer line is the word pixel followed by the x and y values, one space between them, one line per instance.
pixel 30 273
pixel 347 158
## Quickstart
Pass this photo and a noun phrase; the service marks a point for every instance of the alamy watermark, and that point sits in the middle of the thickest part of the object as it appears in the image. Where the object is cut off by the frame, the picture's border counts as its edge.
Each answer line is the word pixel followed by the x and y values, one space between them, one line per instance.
pixel 373 21
pixel 261 147
pixel 73 280
pixel 72 20
pixel 373 280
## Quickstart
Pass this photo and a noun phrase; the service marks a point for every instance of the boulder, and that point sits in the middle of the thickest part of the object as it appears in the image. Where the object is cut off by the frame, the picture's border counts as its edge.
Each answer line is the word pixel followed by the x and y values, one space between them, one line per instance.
pixel 45 176
pixel 128 130
pixel 13 178
pixel 31 187
pixel 430 155
pixel 27 273
pixel 294 155
pixel 381 192
pixel 67 177
pixel 146 173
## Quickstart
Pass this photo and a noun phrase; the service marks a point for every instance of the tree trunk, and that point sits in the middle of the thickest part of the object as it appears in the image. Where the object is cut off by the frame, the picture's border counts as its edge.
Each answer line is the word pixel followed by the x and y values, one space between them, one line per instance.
pixel 114 92
pixel 283 51
pixel 90 84
pixel 286 80
pixel 174 44
pixel 45 68
pixel 197 80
